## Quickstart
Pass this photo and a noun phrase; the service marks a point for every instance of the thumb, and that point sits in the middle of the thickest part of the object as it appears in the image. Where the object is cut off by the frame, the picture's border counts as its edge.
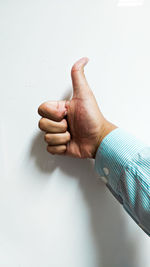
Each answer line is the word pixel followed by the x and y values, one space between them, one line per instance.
pixel 79 82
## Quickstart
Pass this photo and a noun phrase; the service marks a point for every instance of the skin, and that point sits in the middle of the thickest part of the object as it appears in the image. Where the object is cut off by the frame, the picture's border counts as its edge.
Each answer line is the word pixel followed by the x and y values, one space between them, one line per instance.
pixel 76 127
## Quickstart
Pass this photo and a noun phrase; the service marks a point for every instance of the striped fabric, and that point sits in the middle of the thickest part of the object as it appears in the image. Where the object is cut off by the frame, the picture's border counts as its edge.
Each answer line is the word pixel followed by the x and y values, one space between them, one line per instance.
pixel 127 162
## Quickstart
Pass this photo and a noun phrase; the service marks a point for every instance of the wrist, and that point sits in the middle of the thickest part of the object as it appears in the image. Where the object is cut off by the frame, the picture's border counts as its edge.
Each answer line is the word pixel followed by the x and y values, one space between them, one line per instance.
pixel 107 127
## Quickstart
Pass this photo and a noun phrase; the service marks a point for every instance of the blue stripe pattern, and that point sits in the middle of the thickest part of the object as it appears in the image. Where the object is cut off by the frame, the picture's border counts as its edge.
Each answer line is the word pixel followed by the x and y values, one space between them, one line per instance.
pixel 127 161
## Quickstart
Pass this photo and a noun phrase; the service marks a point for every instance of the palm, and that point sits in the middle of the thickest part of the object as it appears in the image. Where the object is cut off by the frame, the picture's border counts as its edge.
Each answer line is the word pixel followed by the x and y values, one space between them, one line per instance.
pixel 85 122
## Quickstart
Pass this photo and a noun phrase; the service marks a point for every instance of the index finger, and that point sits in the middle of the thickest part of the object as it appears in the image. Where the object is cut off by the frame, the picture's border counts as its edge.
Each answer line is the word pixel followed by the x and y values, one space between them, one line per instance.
pixel 53 110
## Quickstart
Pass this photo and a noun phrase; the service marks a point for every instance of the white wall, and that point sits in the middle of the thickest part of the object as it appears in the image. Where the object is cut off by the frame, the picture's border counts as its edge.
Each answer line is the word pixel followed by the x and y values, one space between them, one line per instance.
pixel 54 211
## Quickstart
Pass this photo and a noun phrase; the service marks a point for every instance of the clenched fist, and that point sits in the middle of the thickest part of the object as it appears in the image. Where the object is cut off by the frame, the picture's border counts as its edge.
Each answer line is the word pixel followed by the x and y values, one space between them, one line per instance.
pixel 75 127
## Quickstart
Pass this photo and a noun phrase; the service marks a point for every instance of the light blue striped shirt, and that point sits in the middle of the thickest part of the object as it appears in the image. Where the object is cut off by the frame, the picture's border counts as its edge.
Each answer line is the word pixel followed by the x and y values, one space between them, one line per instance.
pixel 123 162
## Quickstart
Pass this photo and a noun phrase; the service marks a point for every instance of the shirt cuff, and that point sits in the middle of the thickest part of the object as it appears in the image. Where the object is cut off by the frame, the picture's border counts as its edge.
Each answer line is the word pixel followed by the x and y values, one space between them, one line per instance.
pixel 113 155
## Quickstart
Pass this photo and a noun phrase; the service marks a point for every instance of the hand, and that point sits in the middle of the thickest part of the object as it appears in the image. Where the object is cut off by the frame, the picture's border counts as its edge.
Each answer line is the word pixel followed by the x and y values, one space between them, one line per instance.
pixel 75 127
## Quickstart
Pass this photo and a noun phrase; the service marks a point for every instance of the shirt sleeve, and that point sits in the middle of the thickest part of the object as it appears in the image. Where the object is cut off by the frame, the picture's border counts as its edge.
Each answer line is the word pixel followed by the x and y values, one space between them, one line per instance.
pixel 123 163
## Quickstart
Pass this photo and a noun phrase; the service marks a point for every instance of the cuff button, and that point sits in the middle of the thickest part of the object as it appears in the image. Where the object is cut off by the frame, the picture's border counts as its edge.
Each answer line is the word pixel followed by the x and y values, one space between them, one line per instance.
pixel 106 170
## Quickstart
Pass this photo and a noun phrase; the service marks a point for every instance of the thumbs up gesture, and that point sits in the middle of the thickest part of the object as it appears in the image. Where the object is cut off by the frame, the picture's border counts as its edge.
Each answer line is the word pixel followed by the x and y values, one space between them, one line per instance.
pixel 75 127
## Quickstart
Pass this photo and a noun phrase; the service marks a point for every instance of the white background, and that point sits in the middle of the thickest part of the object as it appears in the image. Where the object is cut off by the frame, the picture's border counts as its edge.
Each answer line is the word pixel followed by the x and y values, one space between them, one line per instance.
pixel 54 211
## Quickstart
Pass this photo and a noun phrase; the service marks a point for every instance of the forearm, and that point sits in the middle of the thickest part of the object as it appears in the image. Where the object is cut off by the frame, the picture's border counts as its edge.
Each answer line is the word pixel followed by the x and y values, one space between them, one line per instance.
pixel 123 162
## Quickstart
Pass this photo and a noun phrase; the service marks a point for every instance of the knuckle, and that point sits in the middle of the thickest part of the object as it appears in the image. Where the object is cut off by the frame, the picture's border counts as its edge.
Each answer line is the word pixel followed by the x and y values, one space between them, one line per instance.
pixel 68 136
pixel 64 126
pixel 59 115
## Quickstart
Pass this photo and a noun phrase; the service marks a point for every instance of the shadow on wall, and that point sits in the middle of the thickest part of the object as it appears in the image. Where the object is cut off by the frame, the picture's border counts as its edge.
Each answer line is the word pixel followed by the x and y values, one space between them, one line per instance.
pixel 106 219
